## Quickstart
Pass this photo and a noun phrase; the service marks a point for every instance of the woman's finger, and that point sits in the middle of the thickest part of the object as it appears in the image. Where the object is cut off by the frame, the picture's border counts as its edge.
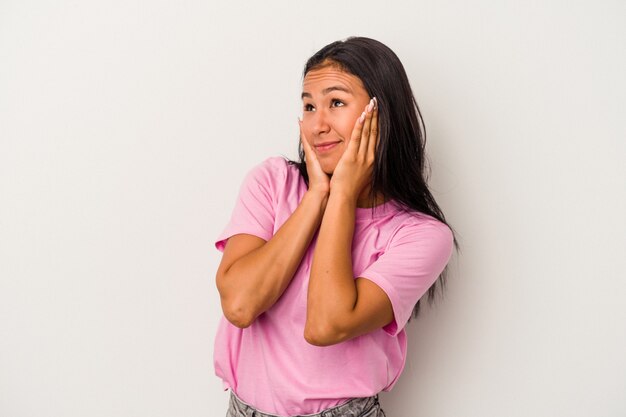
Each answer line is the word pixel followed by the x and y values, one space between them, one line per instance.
pixel 308 152
pixel 371 149
pixel 355 139
pixel 310 157
pixel 365 134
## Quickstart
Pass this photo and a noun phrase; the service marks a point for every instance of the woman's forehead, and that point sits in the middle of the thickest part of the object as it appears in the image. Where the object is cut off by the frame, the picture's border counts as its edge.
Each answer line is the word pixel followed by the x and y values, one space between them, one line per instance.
pixel 323 77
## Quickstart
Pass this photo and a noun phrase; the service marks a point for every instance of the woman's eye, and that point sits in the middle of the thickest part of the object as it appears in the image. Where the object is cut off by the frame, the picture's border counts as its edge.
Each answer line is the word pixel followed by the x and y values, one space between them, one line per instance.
pixel 337 103
pixel 308 107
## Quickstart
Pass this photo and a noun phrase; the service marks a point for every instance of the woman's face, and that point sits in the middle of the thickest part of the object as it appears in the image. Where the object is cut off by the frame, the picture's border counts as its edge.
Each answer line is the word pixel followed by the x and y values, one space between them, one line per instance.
pixel 332 100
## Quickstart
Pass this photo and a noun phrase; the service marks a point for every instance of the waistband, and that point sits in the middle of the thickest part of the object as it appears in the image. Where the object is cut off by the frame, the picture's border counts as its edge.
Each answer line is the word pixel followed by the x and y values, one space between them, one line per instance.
pixel 353 408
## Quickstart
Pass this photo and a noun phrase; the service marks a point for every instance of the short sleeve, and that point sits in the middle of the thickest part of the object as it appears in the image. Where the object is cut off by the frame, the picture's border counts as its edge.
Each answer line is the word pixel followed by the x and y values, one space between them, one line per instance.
pixel 254 211
pixel 413 260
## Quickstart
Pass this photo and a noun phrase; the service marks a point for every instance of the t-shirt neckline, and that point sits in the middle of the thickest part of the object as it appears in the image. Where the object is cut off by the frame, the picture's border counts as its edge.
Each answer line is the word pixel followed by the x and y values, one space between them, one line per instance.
pixel 368 213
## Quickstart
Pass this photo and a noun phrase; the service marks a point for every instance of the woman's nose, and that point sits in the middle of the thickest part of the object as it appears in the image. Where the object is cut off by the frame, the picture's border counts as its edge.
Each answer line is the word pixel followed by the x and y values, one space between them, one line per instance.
pixel 320 122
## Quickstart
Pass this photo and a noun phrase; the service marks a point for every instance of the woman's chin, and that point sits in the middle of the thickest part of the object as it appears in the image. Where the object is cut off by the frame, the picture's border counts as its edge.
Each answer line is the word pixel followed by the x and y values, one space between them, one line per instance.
pixel 328 166
pixel 328 170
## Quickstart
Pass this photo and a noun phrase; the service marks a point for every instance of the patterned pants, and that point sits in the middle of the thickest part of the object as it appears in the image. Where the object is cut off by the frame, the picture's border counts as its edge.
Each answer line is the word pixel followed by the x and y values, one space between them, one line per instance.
pixel 357 407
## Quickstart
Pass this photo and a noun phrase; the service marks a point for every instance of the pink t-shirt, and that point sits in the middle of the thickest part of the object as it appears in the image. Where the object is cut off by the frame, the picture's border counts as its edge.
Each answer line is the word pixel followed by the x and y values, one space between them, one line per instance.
pixel 269 364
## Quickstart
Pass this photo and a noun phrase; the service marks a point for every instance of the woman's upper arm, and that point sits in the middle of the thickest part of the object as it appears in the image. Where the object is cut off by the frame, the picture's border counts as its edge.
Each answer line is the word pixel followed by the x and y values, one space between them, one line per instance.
pixel 372 311
pixel 388 289
pixel 237 246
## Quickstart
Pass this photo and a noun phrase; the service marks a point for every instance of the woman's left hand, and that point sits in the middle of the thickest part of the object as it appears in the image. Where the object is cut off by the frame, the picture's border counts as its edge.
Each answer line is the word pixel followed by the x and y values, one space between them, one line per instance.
pixel 354 170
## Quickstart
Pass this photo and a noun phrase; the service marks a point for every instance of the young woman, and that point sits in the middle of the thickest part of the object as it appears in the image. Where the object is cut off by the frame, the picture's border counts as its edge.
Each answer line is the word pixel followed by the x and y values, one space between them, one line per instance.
pixel 325 259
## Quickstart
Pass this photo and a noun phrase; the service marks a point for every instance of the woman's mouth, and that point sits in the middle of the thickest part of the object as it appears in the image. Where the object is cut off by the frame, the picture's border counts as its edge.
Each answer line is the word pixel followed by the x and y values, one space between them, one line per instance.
pixel 326 146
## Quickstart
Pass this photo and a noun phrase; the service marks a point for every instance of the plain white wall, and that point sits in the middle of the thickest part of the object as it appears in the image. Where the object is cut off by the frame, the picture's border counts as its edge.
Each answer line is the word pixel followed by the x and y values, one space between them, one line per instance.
pixel 126 127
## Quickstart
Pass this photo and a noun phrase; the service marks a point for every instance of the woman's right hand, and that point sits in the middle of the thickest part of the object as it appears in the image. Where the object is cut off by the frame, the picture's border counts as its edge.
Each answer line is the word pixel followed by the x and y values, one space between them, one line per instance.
pixel 318 179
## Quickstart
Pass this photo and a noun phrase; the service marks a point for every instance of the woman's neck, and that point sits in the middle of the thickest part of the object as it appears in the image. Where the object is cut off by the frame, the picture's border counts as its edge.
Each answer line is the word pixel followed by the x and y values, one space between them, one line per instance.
pixel 365 199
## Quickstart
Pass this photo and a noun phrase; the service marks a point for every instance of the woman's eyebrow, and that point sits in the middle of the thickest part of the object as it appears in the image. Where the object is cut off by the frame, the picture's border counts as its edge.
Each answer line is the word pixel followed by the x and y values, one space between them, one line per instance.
pixel 329 90
pixel 336 88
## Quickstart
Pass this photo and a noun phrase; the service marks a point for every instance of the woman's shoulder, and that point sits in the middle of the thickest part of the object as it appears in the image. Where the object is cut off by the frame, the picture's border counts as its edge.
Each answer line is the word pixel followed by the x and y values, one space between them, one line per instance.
pixel 273 169
pixel 275 176
pixel 277 164
pixel 272 164
pixel 421 224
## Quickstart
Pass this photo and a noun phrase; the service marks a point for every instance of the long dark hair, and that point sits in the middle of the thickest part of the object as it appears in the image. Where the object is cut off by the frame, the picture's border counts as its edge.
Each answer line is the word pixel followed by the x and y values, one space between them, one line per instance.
pixel 400 169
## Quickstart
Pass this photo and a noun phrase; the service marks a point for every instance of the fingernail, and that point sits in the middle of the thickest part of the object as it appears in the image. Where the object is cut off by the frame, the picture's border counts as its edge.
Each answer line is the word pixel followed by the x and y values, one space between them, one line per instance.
pixel 375 103
pixel 362 118
pixel 370 106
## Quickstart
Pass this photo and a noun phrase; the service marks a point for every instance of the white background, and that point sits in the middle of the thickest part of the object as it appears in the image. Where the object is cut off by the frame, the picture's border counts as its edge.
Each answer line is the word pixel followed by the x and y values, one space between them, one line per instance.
pixel 126 127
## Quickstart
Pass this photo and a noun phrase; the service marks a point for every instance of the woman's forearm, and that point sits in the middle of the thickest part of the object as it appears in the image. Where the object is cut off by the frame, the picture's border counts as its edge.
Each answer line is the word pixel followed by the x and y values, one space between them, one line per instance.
pixel 332 291
pixel 251 284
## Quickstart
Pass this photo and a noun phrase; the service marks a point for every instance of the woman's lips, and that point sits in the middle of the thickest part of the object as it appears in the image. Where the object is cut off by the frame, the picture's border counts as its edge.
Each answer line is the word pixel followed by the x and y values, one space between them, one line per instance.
pixel 326 146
